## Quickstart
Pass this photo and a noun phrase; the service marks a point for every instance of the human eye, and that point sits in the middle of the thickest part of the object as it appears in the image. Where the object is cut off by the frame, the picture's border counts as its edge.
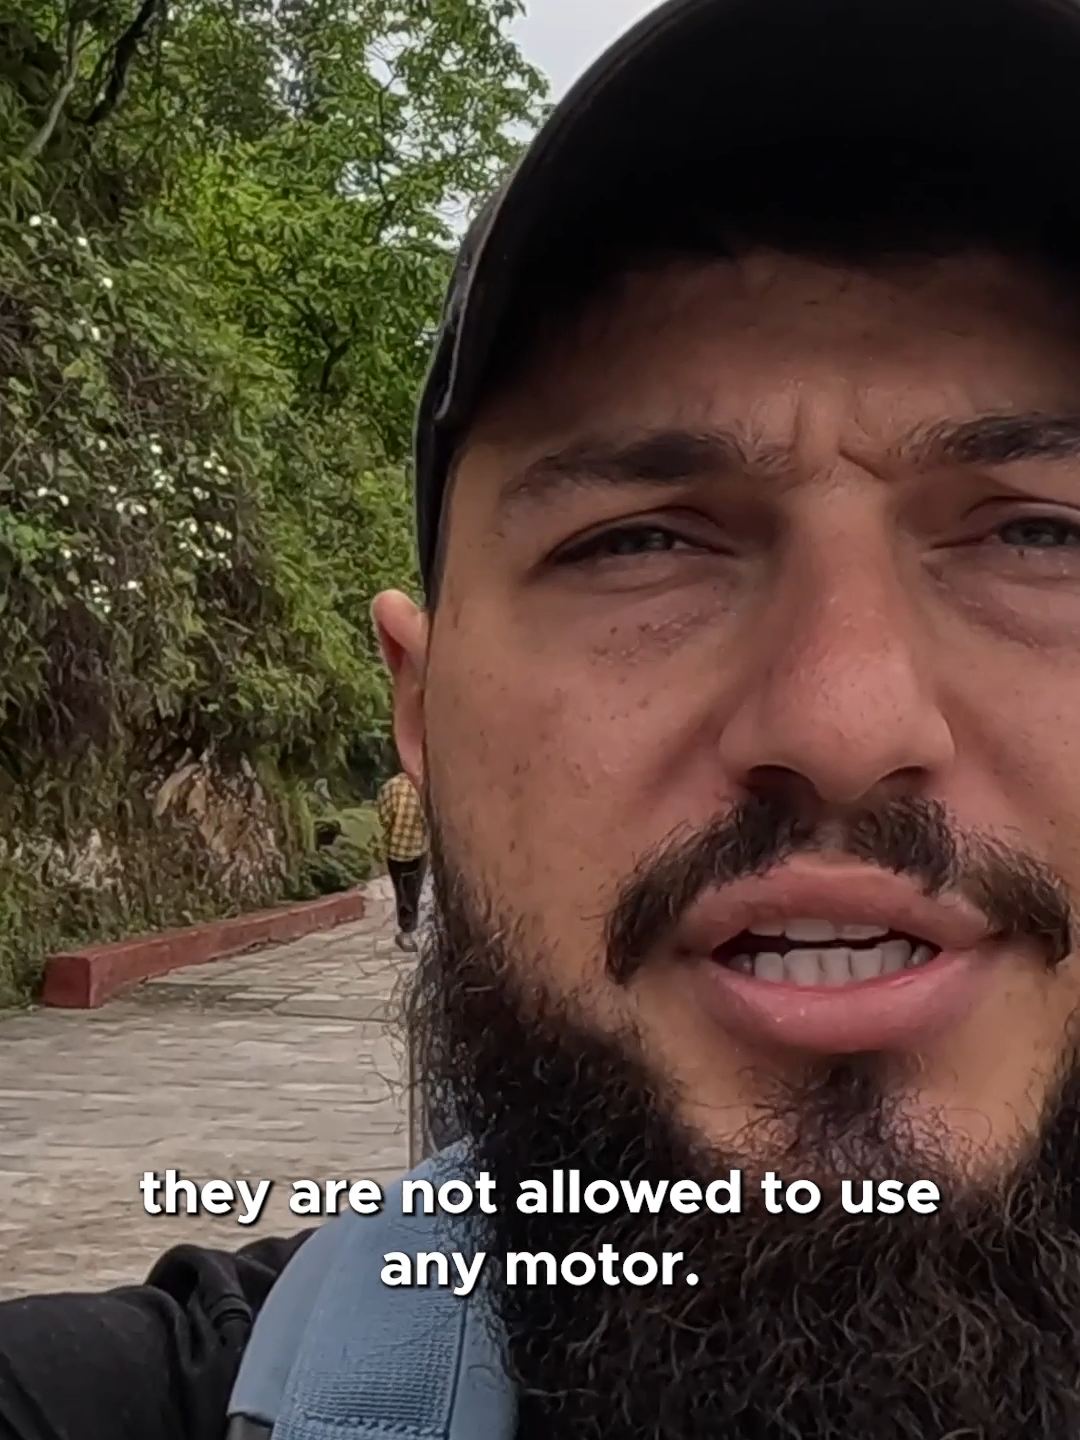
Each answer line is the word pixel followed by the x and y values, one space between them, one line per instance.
pixel 1038 532
pixel 1023 547
pixel 625 542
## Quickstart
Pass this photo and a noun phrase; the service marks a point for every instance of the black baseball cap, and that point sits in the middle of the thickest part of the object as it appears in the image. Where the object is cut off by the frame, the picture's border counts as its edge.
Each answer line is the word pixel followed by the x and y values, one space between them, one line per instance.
pixel 764 113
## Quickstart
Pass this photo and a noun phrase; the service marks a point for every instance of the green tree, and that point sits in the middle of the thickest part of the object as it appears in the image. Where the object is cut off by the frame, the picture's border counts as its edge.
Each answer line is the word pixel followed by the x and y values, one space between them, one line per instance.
pixel 225 229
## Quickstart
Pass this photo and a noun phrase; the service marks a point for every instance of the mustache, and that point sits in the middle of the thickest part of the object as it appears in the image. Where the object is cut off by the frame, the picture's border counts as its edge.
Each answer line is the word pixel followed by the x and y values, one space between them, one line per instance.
pixel 1020 896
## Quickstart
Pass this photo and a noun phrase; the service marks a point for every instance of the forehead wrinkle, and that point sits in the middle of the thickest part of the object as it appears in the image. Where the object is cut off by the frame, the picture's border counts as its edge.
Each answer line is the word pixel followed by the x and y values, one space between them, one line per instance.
pixel 679 457
pixel 527 404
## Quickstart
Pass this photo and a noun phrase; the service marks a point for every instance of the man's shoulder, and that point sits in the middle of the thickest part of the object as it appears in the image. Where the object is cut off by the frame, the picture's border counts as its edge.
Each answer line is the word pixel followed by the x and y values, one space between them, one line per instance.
pixel 124 1364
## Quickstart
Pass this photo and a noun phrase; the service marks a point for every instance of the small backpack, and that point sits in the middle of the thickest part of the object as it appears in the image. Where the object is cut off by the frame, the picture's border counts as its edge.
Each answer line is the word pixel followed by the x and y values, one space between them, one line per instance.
pixel 337 1355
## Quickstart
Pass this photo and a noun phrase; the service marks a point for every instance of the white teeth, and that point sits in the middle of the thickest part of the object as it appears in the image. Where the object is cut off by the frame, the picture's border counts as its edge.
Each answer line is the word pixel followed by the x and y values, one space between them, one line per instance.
pixel 867 964
pixel 803 967
pixel 769 965
pixel 810 932
pixel 897 954
pixel 836 963
pixel 816 932
pixel 832 965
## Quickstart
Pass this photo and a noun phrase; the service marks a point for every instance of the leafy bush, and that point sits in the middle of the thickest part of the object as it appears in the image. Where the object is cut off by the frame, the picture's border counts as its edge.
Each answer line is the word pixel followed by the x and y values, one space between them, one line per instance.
pixel 224 233
pixel 352 855
pixel 339 866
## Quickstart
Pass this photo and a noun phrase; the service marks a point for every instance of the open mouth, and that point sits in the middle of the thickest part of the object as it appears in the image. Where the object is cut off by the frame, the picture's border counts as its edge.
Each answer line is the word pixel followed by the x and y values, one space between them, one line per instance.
pixel 833 957
pixel 819 953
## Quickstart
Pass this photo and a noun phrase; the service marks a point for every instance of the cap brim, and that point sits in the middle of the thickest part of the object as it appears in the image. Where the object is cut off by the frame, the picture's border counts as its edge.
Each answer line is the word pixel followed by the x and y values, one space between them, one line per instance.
pixel 712 98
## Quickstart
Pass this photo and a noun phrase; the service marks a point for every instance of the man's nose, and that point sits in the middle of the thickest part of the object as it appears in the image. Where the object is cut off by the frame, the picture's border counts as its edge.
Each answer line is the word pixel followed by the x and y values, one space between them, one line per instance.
pixel 840 688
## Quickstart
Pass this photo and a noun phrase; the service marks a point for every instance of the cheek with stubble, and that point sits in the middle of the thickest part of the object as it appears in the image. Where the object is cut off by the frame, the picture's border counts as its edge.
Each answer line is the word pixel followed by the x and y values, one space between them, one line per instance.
pixel 494 767
pixel 524 800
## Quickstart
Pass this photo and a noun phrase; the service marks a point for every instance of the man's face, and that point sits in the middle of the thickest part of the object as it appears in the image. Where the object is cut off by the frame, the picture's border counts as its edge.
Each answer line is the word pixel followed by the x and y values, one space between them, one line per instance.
pixel 794 549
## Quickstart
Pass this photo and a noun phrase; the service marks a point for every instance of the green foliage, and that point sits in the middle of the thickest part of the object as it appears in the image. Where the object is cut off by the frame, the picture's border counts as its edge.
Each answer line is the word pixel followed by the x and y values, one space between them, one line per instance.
pixel 351 857
pixel 225 228
pixel 360 823
pixel 328 870
pixel 27 929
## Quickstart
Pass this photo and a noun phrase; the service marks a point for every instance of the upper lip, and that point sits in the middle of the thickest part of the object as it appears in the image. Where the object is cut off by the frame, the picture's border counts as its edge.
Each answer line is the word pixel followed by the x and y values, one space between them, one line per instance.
pixel 844 893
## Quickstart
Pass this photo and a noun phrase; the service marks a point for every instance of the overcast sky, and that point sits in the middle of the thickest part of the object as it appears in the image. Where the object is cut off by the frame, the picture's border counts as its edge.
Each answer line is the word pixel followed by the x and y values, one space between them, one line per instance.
pixel 563 36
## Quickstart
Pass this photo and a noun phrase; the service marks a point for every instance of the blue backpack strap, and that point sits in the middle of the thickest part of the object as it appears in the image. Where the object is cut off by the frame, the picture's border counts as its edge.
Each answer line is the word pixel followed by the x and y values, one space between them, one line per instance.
pixel 268 1359
pixel 337 1355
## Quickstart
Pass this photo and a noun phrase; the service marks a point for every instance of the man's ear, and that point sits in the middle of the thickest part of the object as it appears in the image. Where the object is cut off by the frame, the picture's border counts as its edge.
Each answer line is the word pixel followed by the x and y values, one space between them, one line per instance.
pixel 402 630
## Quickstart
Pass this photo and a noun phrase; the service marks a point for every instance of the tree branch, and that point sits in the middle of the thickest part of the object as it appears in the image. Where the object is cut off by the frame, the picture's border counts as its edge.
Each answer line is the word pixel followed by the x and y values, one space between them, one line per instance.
pixel 123 54
pixel 335 354
pixel 37 142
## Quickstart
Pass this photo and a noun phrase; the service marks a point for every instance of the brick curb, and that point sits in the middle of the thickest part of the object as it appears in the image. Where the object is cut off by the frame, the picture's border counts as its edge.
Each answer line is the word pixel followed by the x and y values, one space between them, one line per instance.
pixel 85 979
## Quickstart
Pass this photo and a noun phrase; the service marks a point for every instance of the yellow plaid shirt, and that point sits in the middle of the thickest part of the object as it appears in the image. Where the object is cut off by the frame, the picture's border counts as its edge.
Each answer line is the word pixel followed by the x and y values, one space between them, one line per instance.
pixel 402 820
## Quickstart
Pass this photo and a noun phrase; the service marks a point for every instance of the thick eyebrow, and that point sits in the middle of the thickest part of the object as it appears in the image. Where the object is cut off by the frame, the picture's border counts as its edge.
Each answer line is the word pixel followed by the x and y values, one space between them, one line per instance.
pixel 995 440
pixel 661 457
pixel 679 457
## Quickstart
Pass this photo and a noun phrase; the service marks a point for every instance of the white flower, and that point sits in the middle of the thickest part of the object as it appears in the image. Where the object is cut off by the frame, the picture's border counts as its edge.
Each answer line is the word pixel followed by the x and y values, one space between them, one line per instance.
pixel 65 552
pixel 132 585
pixel 111 489
pixel 155 448
pixel 42 492
pixel 199 494
pixel 63 500
pixel 34 221
pixel 221 470
pixel 82 242
pixel 137 507
pixel 208 465
pixel 106 282
pixel 102 444
pixel 95 333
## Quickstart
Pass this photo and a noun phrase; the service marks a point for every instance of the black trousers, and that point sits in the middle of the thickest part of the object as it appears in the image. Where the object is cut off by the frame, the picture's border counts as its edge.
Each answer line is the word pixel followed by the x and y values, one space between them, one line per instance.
pixel 407 878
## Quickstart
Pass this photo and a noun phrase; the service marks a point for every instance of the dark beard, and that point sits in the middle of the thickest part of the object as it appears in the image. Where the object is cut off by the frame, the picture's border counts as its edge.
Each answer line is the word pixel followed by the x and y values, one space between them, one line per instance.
pixel 817 1327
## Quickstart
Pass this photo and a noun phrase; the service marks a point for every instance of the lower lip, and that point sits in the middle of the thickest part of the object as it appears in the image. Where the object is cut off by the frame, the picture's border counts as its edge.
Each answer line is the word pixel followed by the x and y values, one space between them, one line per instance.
pixel 896 1012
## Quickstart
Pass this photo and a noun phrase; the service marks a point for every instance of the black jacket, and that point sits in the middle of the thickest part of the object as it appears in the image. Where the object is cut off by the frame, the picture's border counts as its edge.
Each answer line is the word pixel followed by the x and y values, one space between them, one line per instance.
pixel 149 1362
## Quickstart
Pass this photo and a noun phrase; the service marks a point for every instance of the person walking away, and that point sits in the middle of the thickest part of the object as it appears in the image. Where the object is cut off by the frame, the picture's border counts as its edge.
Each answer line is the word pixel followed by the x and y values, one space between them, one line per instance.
pixel 406 844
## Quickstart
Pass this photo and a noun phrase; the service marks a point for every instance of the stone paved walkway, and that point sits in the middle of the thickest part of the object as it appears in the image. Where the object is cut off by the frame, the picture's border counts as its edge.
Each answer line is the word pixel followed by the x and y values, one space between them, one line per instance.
pixel 282 1065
